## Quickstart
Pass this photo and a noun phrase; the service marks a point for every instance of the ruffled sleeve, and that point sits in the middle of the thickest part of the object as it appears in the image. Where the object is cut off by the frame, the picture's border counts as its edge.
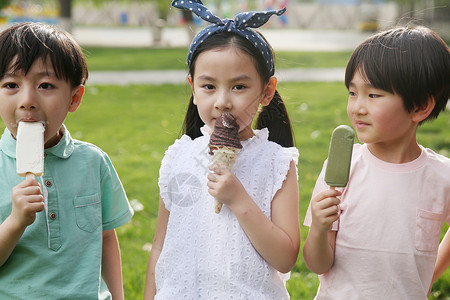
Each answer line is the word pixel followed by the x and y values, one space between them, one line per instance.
pixel 165 170
pixel 282 161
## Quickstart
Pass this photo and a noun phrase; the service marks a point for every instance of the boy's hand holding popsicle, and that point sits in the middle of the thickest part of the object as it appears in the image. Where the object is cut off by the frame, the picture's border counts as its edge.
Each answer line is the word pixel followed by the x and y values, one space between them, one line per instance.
pixel 325 205
pixel 27 198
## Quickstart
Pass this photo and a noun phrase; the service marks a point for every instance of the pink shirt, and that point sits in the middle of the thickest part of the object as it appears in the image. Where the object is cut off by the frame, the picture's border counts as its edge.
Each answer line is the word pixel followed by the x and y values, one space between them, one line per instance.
pixel 389 229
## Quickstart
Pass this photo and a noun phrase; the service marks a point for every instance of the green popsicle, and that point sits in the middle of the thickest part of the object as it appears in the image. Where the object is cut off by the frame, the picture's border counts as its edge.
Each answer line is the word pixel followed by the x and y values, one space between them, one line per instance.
pixel 339 156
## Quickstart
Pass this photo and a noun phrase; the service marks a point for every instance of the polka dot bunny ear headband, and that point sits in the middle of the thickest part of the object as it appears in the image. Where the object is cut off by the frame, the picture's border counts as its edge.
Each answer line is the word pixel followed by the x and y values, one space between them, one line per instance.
pixel 241 25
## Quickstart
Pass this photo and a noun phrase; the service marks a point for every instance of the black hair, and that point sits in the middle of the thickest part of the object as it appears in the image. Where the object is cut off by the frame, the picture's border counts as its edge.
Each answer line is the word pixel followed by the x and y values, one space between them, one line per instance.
pixel 412 62
pixel 22 44
pixel 273 116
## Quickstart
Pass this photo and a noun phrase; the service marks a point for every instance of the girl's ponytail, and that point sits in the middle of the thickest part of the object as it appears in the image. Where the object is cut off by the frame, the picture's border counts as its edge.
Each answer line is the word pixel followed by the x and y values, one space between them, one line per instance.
pixel 192 122
pixel 275 118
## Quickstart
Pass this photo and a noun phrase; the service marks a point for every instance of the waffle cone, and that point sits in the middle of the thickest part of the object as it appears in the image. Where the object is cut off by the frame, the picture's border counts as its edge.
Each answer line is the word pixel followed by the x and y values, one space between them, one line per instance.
pixel 225 157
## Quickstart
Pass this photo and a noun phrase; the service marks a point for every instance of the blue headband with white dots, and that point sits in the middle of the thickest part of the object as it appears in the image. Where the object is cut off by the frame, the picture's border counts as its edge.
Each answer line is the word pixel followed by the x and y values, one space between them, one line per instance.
pixel 241 25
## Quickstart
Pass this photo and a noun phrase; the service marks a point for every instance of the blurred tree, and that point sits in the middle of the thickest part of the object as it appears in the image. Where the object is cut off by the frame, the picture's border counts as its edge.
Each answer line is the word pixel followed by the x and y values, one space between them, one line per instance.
pixel 4 3
pixel 425 12
pixel 162 7
pixel 65 13
pixel 406 8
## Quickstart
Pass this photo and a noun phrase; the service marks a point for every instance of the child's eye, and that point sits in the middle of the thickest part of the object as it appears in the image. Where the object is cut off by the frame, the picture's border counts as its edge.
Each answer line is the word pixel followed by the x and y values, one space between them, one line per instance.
pixel 208 86
pixel 10 85
pixel 45 86
pixel 350 93
pixel 239 87
pixel 373 96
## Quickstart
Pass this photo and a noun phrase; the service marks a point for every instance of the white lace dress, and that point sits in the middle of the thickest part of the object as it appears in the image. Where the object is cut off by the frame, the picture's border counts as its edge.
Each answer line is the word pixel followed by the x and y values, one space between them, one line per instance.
pixel 208 255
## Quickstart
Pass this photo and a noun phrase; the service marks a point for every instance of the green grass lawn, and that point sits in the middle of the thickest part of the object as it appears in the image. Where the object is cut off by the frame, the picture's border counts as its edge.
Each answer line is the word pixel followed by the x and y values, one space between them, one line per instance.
pixel 108 59
pixel 136 124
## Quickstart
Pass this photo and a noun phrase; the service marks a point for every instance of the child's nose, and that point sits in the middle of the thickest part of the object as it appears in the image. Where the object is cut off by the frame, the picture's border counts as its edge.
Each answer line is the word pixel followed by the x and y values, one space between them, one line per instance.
pixel 223 101
pixel 359 106
pixel 28 100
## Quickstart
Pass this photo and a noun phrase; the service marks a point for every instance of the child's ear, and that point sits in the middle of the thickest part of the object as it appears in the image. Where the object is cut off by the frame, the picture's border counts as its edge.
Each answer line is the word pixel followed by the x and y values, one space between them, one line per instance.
pixel 77 94
pixel 191 83
pixel 269 91
pixel 421 113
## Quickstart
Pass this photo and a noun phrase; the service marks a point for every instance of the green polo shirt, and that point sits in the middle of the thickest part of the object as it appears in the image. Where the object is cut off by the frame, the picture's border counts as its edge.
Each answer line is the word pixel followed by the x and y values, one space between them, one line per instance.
pixel 59 255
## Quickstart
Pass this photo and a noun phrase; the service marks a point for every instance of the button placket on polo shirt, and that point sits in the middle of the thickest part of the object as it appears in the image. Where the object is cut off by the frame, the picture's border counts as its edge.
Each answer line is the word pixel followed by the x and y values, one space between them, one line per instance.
pixel 53 214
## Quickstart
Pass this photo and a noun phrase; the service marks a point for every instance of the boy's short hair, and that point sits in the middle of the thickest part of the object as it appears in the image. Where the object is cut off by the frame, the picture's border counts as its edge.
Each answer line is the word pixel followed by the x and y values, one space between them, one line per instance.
pixel 22 44
pixel 412 62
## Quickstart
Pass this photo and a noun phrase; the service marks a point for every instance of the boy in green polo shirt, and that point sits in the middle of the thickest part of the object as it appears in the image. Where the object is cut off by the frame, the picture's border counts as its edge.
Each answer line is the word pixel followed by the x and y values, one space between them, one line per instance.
pixel 57 237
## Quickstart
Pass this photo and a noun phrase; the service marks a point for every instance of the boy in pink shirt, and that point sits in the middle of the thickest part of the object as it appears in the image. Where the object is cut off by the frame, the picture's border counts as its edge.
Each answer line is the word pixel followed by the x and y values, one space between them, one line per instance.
pixel 378 238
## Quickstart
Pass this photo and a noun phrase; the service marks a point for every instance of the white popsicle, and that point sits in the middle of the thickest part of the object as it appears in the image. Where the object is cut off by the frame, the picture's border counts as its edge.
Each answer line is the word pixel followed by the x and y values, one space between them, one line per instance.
pixel 30 149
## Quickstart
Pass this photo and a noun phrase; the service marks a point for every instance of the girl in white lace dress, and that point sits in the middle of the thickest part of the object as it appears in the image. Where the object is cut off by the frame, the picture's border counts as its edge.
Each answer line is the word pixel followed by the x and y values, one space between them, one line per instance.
pixel 248 249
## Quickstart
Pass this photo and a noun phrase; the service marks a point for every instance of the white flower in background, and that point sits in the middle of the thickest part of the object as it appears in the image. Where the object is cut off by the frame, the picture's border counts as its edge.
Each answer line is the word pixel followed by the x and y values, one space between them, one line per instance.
pixel 136 205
